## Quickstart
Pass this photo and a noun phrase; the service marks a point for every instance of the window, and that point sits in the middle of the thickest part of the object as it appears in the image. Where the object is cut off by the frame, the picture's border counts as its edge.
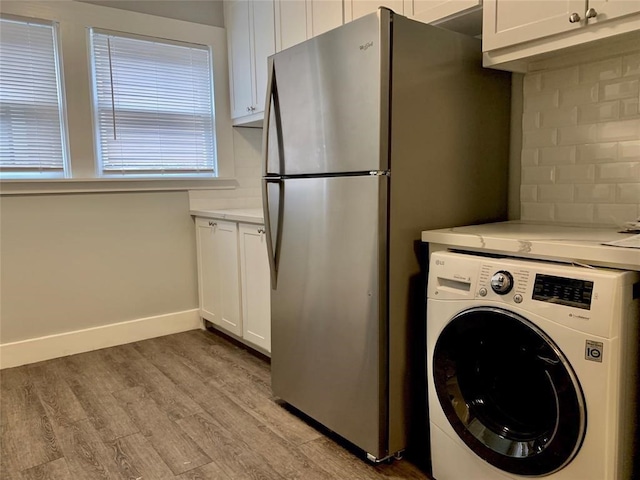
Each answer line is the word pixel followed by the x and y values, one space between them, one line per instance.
pixel 32 137
pixel 130 106
pixel 153 106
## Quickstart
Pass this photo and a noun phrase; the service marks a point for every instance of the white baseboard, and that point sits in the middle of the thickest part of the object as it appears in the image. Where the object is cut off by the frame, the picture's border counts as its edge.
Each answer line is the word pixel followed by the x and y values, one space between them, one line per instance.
pixel 68 343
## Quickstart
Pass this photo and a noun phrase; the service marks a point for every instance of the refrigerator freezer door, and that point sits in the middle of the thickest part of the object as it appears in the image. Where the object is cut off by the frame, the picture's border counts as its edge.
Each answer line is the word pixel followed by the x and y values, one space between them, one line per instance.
pixel 332 101
pixel 328 313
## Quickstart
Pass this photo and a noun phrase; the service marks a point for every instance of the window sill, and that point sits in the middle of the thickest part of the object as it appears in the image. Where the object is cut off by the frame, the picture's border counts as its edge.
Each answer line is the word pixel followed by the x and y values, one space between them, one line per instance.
pixel 111 185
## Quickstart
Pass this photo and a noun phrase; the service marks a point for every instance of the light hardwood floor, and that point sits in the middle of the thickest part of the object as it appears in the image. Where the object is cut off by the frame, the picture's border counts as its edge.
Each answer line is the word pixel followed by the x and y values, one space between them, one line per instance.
pixel 187 406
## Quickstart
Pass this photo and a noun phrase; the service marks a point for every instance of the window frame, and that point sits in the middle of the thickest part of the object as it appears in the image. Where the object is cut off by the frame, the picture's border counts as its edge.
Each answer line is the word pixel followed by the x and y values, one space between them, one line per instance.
pixel 62 103
pixel 74 20
pixel 100 171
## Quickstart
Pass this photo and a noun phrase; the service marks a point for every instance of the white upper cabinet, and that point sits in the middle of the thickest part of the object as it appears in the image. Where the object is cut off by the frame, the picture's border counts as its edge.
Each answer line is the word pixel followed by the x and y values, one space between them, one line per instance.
pixel 251 39
pixel 359 8
pixel 323 15
pixel 508 22
pixel 604 10
pixel 291 23
pixel 434 11
pixel 516 31
pixel 299 20
pixel 263 46
pixel 239 45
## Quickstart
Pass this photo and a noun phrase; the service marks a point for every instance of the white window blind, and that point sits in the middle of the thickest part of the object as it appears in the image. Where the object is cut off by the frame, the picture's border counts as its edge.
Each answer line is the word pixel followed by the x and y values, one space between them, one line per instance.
pixel 31 115
pixel 153 105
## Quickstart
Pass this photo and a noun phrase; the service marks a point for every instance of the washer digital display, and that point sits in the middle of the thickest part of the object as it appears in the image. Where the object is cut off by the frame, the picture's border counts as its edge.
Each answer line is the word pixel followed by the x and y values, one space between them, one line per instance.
pixel 564 291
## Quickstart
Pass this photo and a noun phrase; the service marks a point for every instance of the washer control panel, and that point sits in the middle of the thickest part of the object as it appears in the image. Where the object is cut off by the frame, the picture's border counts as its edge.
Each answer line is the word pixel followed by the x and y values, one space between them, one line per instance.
pixel 578 297
pixel 510 284
pixel 571 292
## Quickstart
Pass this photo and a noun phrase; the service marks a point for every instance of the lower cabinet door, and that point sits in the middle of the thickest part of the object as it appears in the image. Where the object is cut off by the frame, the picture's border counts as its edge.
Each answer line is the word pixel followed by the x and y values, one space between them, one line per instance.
pixel 219 273
pixel 256 288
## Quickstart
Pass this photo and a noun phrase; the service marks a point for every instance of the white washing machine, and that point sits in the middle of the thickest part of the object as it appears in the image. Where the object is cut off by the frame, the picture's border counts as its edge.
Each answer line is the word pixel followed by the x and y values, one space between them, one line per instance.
pixel 532 369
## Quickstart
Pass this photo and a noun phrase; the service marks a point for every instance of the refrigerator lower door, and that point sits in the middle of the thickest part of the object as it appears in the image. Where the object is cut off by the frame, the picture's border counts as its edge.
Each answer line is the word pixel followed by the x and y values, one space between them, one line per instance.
pixel 329 345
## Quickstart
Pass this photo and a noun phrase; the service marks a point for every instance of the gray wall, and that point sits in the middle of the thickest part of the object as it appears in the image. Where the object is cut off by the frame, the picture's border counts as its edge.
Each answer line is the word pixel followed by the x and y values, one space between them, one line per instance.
pixel 71 262
pixel 75 261
pixel 208 12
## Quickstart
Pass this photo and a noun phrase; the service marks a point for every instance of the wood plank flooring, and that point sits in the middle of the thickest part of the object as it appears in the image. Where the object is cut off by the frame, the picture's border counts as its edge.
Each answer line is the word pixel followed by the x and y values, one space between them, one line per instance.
pixel 191 406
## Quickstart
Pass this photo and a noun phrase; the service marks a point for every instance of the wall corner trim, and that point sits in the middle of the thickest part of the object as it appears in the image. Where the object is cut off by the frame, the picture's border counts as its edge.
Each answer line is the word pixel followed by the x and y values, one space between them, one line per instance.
pixel 69 343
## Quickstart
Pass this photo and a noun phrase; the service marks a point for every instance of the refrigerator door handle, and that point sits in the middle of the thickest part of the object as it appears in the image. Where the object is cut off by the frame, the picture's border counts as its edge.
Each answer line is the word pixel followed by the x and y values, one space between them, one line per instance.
pixel 273 240
pixel 267 118
pixel 272 222
pixel 272 102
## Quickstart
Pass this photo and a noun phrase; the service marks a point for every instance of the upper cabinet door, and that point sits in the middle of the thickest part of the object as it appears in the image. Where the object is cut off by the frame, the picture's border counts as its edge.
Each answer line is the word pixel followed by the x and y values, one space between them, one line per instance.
pixel 509 22
pixel 239 39
pixel 263 46
pixel 251 39
pixel 291 23
pixel 359 8
pixel 608 9
pixel 323 15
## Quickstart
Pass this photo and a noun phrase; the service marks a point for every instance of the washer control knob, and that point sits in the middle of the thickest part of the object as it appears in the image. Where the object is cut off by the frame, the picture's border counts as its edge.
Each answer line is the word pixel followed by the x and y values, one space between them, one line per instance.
pixel 502 282
pixel 517 298
pixel 482 292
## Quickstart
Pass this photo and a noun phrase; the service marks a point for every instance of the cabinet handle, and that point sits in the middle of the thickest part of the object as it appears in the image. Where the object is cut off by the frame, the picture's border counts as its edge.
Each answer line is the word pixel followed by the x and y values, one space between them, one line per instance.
pixel 261 230
pixel 591 13
pixel 574 18
pixel 253 108
pixel 213 224
pixel 248 109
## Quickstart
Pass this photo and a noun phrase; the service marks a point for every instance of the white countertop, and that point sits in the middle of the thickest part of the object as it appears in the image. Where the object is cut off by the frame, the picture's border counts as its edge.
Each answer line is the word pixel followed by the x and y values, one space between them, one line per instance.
pixel 247 215
pixel 551 242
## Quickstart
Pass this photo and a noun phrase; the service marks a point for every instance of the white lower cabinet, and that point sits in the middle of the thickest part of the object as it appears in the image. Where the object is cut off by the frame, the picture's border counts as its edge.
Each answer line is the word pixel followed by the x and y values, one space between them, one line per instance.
pixel 233 279
pixel 256 287
pixel 219 273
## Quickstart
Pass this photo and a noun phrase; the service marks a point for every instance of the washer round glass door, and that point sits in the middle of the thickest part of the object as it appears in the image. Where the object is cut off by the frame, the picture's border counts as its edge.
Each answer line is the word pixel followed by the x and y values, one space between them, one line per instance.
pixel 509 392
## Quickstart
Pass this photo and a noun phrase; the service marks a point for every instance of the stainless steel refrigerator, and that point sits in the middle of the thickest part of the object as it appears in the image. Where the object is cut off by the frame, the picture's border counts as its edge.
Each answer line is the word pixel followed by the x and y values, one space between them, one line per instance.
pixel 373 132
